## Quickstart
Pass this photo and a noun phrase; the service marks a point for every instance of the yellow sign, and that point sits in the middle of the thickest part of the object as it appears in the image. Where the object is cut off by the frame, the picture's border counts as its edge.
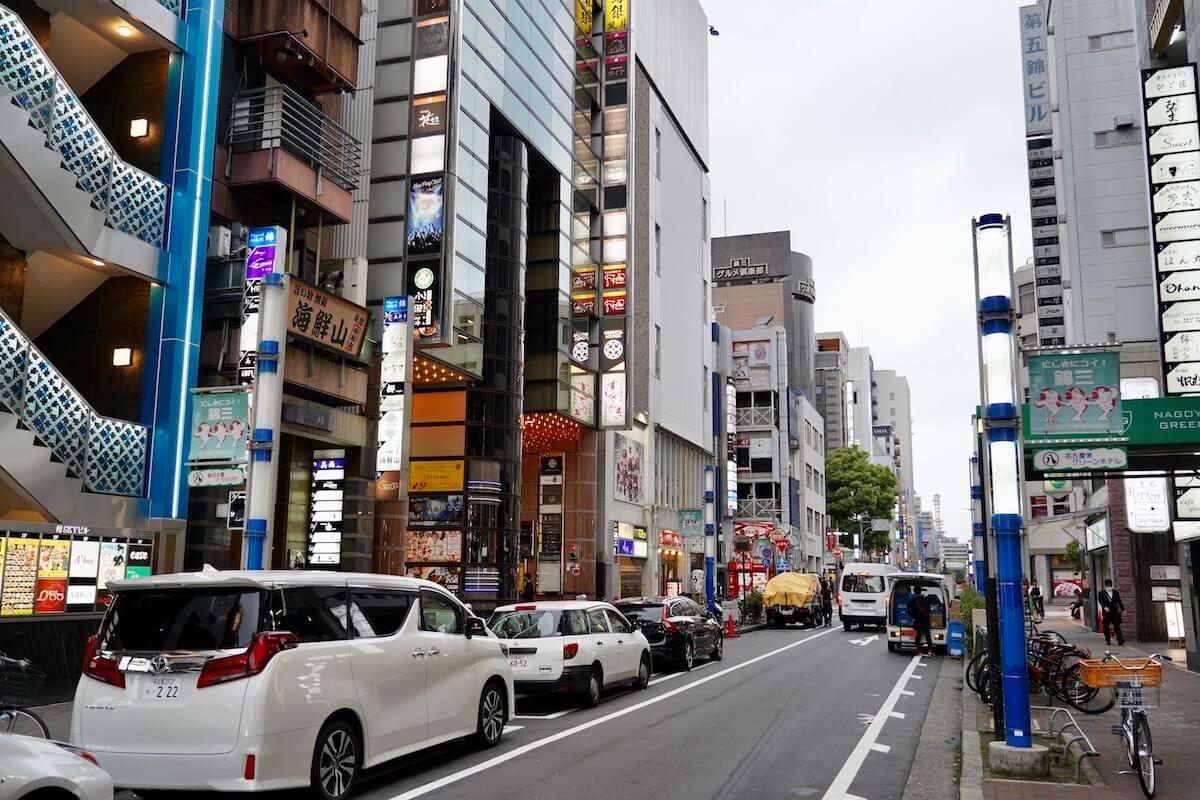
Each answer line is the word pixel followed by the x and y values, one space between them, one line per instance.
pixel 583 18
pixel 616 15
pixel 435 476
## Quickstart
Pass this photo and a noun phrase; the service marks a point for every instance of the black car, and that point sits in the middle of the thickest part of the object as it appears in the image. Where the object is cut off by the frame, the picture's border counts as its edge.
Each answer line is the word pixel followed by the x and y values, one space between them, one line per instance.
pixel 678 629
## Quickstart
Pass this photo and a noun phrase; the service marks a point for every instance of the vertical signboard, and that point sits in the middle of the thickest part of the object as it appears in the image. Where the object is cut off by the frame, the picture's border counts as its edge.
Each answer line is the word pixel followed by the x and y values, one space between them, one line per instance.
pixel 19 588
pixel 266 252
pixel 1173 159
pixel 1043 195
pixel 325 509
pixel 54 557
pixel 551 472
pixel 393 397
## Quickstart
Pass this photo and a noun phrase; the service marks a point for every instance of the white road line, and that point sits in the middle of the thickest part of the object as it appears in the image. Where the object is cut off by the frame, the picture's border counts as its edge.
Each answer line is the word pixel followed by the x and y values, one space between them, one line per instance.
pixel 673 675
pixel 896 714
pixel 877 747
pixel 517 752
pixel 918 678
pixel 555 715
pixel 907 693
pixel 838 790
pixel 513 728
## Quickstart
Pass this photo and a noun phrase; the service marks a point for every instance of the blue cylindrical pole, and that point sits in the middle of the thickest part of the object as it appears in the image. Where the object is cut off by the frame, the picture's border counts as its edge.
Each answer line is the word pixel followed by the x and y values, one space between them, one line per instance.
pixel 1013 669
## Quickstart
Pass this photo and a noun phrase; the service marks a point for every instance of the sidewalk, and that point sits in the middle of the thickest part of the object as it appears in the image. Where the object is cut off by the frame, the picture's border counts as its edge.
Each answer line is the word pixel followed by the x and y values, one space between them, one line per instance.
pixel 1175 726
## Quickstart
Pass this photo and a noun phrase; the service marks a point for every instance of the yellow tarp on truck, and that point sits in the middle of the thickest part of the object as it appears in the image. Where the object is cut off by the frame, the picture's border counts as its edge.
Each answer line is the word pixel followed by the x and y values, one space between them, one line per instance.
pixel 791 589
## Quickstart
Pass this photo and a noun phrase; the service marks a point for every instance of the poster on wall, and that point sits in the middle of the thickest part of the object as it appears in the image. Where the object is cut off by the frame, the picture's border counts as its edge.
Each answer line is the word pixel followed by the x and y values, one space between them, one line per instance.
pixel 1066 587
pixel 435 510
pixel 447 576
pixel 1075 394
pixel 433 547
pixel 19 588
pixel 82 573
pixel 627 469
pixel 219 426
pixel 759 353
pixel 54 559
pixel 139 558
pixel 426 213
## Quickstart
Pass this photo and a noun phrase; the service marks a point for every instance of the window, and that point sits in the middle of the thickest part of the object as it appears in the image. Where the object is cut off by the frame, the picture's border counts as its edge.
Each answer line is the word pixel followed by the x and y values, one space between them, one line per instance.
pixel 657 249
pixel 891 396
pixel 704 388
pixel 657 351
pixel 1027 302
pixel 313 613
pixel 658 152
pixel 378 612
pixel 704 302
pixel 617 622
pixel 1118 138
pixel 539 624
pixel 1038 507
pixel 598 620
pixel 863 584
pixel 1125 237
pixel 440 614
pixel 1104 41
pixel 704 218
pixel 182 619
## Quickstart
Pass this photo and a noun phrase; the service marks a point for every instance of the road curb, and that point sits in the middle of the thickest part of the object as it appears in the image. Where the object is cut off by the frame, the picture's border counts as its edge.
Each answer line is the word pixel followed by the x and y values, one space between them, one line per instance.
pixel 970 783
pixel 932 776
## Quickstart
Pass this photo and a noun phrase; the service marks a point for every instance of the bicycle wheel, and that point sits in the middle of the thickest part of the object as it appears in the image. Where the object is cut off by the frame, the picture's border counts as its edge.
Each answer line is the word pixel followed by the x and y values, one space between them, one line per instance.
pixel 973 670
pixel 989 680
pixel 1087 699
pixel 23 722
pixel 1144 748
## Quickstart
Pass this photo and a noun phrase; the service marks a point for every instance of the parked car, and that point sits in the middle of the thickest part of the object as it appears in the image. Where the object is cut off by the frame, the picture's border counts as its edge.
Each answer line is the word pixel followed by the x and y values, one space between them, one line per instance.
pixel 254 681
pixel 677 628
pixel 936 587
pixel 33 768
pixel 575 647
pixel 863 598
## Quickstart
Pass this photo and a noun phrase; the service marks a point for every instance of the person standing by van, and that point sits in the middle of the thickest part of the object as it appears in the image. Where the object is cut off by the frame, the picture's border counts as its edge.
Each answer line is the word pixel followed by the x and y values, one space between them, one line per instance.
pixel 918 612
pixel 827 602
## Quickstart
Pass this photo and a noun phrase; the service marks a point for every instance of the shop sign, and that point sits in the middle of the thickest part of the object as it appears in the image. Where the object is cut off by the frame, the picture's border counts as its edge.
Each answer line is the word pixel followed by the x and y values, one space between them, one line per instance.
pixel 219 425
pixel 739 269
pixel 670 539
pixel 1061 459
pixel 616 15
pixel 615 277
pixel 432 547
pixel 216 476
pixel 1075 394
pixel 1150 421
pixel 326 510
pixel 1164 572
pixel 325 319
pixel 435 476
pixel 1147 505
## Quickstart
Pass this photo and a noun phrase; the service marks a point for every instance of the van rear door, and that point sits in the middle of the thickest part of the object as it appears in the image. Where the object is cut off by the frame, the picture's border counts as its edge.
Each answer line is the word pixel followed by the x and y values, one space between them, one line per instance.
pixel 141 692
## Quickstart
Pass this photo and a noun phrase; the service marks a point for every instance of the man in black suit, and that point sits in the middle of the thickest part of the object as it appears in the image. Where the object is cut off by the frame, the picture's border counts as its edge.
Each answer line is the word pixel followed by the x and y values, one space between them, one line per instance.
pixel 1111 609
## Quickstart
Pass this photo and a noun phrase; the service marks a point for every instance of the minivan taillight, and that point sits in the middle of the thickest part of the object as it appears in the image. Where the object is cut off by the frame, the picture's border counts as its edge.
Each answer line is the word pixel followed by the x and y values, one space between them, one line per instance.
pixel 254 660
pixel 97 666
pixel 570 651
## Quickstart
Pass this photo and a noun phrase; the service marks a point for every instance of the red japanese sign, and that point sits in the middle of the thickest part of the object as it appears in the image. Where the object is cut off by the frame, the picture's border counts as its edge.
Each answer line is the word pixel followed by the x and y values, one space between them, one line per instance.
pixel 614 304
pixel 614 278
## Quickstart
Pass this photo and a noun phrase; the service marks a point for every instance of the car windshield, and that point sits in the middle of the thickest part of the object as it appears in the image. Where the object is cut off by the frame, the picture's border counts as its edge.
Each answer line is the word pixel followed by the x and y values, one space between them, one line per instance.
pixel 538 623
pixel 171 620
pixel 642 612
pixel 868 584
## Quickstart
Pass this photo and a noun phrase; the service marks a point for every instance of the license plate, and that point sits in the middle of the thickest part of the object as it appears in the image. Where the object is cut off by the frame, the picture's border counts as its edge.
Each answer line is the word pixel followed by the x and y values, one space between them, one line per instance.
pixel 161 689
pixel 519 663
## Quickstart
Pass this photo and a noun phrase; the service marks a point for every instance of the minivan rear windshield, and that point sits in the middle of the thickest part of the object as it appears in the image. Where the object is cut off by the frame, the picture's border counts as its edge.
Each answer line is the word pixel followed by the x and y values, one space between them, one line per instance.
pixel 172 620
pixel 539 623
pixel 867 584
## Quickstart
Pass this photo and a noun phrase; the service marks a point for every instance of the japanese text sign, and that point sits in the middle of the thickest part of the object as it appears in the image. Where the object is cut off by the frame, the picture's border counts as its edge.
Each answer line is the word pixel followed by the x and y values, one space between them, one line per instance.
pixel 1078 393
pixel 325 318
pixel 1035 70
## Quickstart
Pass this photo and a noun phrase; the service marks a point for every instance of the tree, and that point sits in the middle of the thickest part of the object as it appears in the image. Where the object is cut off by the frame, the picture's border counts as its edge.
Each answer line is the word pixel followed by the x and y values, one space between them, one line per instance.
pixel 858 491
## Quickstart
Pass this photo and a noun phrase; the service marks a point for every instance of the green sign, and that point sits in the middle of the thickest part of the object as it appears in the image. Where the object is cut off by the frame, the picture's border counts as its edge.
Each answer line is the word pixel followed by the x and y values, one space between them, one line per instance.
pixel 1155 421
pixel 1073 394
pixel 219 426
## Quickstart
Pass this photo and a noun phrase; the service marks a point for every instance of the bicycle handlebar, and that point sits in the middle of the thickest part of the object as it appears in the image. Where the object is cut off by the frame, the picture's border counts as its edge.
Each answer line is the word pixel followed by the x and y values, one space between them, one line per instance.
pixel 1154 658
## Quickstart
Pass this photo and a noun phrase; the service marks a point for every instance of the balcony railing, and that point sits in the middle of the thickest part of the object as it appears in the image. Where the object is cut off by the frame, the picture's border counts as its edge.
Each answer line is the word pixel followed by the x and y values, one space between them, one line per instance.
pixel 756 417
pixel 109 455
pixel 132 201
pixel 758 509
pixel 279 117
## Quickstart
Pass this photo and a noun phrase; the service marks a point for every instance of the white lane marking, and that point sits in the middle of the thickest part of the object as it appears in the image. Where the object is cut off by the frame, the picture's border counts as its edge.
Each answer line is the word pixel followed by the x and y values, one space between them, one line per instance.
pixel 872 694
pixel 555 715
pixel 907 693
pixel 671 675
pixel 896 714
pixel 513 728
pixel 838 790
pixel 537 744
pixel 881 748
pixel 854 797
pixel 918 678
pixel 864 641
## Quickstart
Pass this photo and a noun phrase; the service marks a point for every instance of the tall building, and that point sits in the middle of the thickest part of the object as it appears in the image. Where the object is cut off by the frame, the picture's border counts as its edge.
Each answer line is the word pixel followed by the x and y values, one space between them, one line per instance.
pixel 861 400
pixel 107 138
pixel 895 412
pixel 832 376
pixel 759 280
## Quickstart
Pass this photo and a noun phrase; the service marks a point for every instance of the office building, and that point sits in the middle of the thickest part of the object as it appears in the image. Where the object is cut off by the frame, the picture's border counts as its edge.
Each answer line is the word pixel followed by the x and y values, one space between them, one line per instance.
pixel 832 376
pixel 861 401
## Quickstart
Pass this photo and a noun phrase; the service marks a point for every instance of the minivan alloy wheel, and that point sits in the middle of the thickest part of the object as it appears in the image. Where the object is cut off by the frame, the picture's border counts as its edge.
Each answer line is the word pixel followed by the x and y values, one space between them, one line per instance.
pixel 491 716
pixel 337 762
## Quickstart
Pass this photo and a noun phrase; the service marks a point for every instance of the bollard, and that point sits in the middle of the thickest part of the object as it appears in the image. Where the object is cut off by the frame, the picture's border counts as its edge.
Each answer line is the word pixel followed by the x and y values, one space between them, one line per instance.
pixel 730 630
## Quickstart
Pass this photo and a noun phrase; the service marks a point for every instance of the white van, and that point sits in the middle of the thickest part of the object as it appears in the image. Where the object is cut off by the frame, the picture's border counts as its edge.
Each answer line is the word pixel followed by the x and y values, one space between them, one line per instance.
pixel 255 681
pixel 937 588
pixel 863 596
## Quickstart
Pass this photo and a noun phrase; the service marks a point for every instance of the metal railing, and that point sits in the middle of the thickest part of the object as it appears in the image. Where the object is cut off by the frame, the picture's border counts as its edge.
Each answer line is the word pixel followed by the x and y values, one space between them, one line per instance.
pixel 758 509
pixel 756 417
pixel 279 117
pixel 109 455
pixel 132 201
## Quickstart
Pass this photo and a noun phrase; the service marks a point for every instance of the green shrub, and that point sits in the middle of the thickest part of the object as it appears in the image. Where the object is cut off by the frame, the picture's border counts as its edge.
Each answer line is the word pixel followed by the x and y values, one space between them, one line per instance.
pixel 969 599
pixel 752 608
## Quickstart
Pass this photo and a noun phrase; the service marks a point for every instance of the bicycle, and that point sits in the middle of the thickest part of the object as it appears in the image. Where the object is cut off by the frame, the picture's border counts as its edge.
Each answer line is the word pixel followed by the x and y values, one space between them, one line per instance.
pixel 18 680
pixel 1135 695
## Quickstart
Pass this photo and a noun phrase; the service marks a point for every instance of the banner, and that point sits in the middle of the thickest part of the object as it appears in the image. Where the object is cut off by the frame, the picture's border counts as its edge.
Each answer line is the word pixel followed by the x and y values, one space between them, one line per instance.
pixel 1072 394
pixel 219 426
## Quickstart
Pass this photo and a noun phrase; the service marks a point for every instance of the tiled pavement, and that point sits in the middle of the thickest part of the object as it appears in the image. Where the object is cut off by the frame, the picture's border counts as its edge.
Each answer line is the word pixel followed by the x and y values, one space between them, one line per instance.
pixel 1175 727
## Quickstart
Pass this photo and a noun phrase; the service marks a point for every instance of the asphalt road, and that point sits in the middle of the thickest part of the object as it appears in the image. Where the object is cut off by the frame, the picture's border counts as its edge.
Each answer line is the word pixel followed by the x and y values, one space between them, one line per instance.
pixel 788 714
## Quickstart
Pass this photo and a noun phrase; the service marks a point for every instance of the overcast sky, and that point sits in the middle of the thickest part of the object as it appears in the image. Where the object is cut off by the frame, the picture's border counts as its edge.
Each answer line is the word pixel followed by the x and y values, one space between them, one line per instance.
pixel 875 131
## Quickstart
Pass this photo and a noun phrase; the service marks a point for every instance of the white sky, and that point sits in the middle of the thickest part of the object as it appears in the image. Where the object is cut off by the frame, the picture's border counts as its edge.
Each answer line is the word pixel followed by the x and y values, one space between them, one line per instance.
pixel 875 131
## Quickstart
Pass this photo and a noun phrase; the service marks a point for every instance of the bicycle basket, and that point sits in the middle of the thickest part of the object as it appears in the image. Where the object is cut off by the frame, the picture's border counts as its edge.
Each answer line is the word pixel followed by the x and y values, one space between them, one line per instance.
pixel 20 684
pixel 1102 675
pixel 1132 694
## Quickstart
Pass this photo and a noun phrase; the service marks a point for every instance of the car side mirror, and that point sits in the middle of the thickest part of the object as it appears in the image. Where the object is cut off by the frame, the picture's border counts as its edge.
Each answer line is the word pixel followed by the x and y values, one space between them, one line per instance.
pixel 475 627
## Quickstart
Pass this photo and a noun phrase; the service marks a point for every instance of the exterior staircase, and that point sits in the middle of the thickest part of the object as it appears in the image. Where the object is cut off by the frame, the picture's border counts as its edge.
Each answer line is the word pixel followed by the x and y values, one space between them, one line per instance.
pixel 70 461
pixel 82 198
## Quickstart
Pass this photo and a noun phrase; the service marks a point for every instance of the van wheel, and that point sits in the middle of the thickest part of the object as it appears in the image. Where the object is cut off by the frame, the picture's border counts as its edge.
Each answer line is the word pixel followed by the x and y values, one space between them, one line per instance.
pixel 493 713
pixel 891 647
pixel 595 688
pixel 846 625
pixel 336 761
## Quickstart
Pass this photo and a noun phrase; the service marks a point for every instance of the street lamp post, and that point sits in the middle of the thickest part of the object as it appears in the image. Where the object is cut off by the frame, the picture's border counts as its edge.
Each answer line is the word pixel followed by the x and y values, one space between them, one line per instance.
pixel 1002 479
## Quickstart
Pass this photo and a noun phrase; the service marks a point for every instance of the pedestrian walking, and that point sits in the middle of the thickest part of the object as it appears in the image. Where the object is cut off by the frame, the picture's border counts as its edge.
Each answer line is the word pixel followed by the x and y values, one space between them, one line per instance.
pixel 827 602
pixel 918 612
pixel 527 591
pixel 1111 609
pixel 1037 606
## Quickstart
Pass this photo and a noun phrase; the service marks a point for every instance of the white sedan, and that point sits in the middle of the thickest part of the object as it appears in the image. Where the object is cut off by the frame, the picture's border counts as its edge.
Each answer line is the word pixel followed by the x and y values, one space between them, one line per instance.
pixel 32 767
pixel 577 647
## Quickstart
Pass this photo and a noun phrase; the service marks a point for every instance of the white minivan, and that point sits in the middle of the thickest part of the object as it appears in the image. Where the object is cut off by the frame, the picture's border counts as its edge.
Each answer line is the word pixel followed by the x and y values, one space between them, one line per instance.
pixel 863 596
pixel 255 681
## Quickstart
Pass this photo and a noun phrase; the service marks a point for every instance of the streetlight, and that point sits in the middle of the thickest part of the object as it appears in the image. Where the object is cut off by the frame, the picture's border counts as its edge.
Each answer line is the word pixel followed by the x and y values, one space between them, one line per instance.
pixel 998 380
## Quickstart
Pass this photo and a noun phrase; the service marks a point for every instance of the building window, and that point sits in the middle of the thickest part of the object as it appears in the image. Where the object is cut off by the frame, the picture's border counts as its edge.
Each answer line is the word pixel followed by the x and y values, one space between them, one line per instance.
pixel 704 387
pixel 1105 41
pixel 704 302
pixel 657 351
pixel 1118 138
pixel 658 152
pixel 1029 340
pixel 1125 237
pixel 891 396
pixel 704 218
pixel 1038 507
pixel 657 249
pixel 1027 301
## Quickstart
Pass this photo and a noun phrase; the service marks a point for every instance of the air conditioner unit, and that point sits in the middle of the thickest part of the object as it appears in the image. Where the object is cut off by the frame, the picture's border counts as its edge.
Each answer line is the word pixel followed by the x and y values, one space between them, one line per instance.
pixel 218 241
pixel 354 279
pixel 1123 121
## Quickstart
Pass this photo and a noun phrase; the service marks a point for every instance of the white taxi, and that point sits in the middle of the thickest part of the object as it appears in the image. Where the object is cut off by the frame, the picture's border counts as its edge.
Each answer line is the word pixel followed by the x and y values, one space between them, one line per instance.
pixel 576 647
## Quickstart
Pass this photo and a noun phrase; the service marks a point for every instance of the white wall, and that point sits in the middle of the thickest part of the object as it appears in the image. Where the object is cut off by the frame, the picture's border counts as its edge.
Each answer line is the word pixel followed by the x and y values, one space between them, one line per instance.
pixel 671 41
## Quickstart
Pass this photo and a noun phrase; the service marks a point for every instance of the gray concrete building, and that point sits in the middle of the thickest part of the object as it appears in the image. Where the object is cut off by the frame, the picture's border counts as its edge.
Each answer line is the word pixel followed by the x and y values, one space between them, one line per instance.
pixel 832 374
